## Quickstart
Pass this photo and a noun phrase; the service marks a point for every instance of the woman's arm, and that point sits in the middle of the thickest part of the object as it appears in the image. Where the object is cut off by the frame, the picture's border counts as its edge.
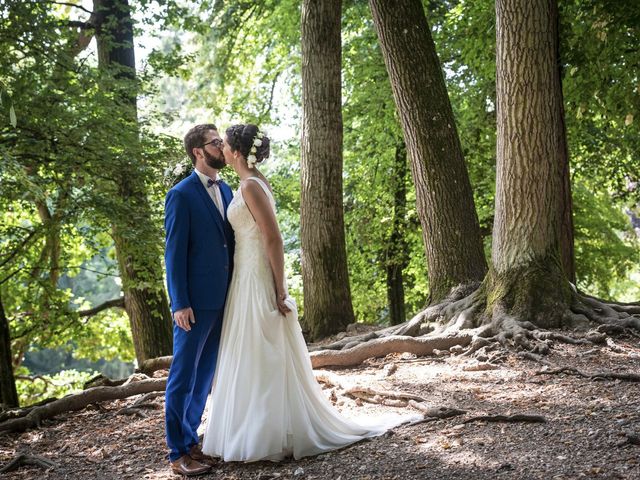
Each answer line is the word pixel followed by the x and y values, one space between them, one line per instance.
pixel 259 206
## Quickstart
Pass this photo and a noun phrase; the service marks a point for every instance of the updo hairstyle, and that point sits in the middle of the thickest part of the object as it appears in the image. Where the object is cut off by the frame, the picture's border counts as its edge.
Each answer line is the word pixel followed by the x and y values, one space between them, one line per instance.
pixel 240 138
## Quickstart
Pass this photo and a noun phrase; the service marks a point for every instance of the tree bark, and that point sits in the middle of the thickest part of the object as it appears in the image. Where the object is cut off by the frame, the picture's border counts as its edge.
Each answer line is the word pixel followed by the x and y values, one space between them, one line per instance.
pixel 444 198
pixel 8 393
pixel 567 252
pixel 397 260
pixel 527 278
pixel 327 295
pixel 137 251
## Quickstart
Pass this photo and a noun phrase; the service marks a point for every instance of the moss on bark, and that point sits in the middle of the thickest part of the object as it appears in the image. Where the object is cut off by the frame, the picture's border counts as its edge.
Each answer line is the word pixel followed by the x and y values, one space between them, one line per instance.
pixel 537 293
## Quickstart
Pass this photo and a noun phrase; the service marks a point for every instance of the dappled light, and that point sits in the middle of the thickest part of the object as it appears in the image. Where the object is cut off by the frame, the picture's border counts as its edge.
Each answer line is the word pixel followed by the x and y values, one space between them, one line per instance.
pixel 333 239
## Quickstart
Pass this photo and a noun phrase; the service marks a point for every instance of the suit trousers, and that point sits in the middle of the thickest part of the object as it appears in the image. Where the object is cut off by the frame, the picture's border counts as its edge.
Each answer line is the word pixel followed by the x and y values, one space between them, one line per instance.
pixel 190 378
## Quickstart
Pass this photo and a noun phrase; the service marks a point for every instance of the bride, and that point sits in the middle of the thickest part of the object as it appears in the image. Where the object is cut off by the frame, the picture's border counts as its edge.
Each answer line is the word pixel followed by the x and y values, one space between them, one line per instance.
pixel 265 402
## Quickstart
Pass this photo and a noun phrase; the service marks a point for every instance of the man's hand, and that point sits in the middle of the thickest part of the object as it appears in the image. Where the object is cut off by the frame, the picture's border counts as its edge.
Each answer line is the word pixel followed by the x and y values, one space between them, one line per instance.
pixel 184 318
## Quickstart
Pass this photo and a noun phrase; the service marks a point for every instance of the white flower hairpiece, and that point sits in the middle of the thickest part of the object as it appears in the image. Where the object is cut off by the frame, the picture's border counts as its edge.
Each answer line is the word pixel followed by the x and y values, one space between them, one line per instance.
pixel 257 141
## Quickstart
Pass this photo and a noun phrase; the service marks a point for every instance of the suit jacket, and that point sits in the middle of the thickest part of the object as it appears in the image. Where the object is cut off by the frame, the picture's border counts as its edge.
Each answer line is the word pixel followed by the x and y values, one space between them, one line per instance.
pixel 199 246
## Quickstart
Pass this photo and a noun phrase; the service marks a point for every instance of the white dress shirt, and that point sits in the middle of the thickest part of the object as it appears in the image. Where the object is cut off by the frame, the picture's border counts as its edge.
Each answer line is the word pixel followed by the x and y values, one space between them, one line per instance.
pixel 214 191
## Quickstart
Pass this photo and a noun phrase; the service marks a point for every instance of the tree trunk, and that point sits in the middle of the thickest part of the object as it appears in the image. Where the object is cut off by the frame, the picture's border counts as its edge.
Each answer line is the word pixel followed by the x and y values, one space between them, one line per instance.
pixel 8 393
pixel 137 242
pixel 527 278
pixel 445 204
pixel 327 295
pixel 397 260
pixel 567 253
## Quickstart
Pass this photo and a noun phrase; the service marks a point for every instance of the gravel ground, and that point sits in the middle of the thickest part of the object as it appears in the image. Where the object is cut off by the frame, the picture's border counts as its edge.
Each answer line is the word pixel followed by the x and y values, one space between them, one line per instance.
pixel 592 427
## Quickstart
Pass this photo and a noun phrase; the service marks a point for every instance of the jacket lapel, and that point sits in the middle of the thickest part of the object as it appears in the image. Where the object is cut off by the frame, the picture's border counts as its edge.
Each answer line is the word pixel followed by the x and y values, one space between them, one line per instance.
pixel 210 206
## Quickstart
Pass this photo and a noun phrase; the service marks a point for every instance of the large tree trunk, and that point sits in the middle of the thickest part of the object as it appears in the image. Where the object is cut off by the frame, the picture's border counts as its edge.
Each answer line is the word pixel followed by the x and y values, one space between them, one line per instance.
pixel 8 393
pixel 567 252
pixel 397 257
pixel 137 242
pixel 527 276
pixel 445 204
pixel 327 295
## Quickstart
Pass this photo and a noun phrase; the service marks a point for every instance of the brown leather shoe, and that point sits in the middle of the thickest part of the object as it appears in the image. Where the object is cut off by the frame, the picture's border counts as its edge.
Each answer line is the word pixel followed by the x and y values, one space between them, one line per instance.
pixel 186 465
pixel 196 454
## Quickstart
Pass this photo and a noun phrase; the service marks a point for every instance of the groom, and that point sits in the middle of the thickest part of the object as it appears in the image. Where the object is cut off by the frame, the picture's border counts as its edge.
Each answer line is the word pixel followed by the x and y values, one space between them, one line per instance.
pixel 198 257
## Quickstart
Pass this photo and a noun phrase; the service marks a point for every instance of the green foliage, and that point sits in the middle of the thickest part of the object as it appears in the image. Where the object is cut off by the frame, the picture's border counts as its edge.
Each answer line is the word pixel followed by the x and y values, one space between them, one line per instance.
pixel 62 182
pixel 608 251
pixel 34 389
pixel 600 56
pixel 372 136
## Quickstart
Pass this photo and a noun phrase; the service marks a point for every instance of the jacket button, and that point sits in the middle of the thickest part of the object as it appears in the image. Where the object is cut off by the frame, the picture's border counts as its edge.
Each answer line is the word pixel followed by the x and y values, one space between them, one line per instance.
pixel 225 245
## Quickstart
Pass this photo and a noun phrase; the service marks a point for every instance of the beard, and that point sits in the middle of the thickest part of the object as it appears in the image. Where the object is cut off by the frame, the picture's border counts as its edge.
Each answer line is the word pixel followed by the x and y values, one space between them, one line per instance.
pixel 214 162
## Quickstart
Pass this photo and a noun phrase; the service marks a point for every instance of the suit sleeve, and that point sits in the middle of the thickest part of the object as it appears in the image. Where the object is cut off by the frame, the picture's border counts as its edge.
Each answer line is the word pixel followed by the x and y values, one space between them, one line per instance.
pixel 176 225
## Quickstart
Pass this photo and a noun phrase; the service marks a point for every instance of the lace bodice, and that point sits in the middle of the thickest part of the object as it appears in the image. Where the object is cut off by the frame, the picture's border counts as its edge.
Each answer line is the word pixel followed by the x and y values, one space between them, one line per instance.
pixel 250 251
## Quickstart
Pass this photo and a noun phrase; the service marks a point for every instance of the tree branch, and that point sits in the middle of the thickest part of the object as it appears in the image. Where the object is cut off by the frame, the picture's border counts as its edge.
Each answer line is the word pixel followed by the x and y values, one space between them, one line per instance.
pixel 78 24
pixel 24 242
pixel 116 302
pixel 67 4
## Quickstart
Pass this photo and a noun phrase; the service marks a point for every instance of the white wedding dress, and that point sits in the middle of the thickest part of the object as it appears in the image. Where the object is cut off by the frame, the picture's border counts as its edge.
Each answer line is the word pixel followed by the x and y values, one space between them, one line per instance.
pixel 265 402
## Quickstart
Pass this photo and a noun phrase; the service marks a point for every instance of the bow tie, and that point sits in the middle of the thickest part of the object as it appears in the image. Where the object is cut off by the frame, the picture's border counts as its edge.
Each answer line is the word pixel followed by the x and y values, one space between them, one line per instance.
pixel 213 182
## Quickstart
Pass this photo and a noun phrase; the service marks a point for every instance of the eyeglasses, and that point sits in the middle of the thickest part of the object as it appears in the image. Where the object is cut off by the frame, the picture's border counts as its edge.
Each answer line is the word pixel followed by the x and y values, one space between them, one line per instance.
pixel 216 142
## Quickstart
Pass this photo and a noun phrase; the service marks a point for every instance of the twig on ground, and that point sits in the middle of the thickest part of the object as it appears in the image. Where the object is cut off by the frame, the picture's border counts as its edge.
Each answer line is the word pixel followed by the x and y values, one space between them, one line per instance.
pixel 23 459
pixel 627 376
pixel 368 393
pixel 507 418
pixel 144 400
pixel 535 358
pixel 479 367
pixel 436 412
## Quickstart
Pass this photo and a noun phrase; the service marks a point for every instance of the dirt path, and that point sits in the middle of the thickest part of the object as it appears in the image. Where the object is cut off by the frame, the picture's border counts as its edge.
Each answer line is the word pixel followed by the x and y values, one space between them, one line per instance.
pixel 589 430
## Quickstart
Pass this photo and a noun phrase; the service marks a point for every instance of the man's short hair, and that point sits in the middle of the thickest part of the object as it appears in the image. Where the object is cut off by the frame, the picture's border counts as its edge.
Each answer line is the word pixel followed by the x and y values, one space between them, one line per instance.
pixel 196 137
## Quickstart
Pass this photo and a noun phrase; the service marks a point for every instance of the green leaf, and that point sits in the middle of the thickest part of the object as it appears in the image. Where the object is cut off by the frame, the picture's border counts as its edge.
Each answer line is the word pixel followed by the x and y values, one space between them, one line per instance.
pixel 12 116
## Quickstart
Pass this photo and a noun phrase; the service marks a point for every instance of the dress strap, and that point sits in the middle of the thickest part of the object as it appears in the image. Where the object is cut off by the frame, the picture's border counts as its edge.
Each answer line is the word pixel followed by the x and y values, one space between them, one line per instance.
pixel 263 185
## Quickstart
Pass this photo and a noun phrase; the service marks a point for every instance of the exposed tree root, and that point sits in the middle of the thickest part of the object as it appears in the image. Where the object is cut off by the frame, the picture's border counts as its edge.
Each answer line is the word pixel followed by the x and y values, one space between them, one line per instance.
pixel 153 364
pixel 401 399
pixel 479 367
pixel 22 412
pixel 632 308
pixel 79 401
pixel 342 343
pixel 23 459
pixel 372 395
pixel 102 381
pixel 467 324
pixel 506 418
pixel 383 346
pixel 436 412
pixel 141 403
pixel 626 376
pixel 630 439
pixel 368 394
pixel 535 358
pixel 470 316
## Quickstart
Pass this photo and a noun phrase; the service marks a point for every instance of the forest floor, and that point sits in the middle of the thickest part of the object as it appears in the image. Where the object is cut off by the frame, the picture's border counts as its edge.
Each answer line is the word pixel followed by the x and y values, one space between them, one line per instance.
pixel 592 427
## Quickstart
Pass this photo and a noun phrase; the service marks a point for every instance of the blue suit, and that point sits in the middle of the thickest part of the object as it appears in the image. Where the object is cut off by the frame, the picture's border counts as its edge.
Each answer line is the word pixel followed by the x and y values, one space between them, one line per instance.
pixel 199 260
